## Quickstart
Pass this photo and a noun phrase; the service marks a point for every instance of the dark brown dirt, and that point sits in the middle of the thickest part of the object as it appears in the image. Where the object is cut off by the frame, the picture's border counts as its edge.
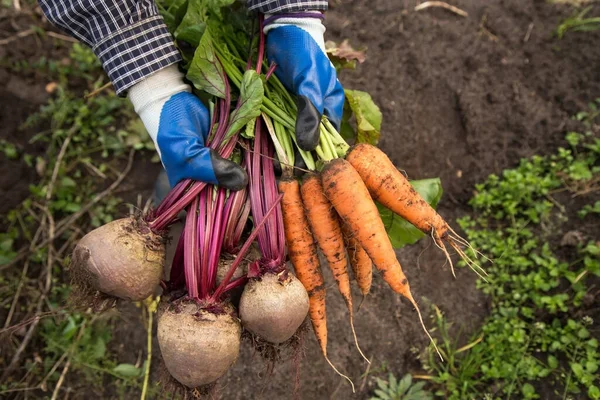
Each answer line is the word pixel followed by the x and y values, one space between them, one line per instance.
pixel 23 92
pixel 462 98
pixel 20 95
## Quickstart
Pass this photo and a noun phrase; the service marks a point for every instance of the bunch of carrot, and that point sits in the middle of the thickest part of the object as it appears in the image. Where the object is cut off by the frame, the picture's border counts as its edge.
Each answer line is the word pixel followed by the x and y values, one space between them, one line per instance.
pixel 332 209
pixel 335 208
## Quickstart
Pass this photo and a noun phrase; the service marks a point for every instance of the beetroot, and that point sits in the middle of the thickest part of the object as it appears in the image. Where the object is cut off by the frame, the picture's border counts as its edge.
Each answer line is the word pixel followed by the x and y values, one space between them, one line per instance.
pixel 123 259
pixel 198 345
pixel 274 306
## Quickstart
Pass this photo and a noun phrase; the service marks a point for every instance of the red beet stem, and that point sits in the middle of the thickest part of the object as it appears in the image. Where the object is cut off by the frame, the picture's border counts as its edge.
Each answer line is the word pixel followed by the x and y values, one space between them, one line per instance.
pixel 221 216
pixel 177 274
pixel 263 191
pixel 217 294
pixel 191 259
pixel 270 71
pixel 172 197
pixel 237 204
pixel 241 281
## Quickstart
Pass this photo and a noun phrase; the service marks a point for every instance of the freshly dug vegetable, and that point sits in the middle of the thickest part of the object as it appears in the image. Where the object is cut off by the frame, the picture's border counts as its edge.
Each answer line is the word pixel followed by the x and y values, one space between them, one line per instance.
pixel 325 226
pixel 350 197
pixel 391 188
pixel 225 264
pixel 274 306
pixel 304 258
pixel 198 345
pixel 123 258
pixel 347 192
pixel 303 255
pixel 362 266
pixel 388 186
pixel 240 273
pixel 274 303
pixel 198 335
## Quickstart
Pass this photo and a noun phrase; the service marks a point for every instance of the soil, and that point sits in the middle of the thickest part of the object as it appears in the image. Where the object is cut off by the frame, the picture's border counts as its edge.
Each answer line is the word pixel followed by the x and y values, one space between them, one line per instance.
pixel 462 98
pixel 22 92
pixel 20 95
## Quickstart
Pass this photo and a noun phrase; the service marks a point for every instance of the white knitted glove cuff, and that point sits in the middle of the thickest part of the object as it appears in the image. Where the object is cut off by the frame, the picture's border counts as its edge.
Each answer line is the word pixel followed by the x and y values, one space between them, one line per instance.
pixel 313 26
pixel 150 95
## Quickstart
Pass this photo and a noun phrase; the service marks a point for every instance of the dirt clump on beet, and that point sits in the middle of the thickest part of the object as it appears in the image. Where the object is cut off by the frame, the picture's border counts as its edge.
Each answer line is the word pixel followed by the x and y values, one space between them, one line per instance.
pixel 274 306
pixel 170 388
pixel 120 260
pixel 198 343
pixel 273 354
pixel 281 352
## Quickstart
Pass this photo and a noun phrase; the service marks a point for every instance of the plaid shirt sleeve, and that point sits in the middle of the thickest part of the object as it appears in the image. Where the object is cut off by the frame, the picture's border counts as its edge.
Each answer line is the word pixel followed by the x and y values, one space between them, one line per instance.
pixel 128 36
pixel 283 6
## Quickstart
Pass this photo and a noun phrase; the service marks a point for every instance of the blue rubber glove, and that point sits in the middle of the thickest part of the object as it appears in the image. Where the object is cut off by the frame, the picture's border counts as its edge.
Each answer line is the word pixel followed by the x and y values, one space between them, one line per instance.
pixel 179 123
pixel 295 43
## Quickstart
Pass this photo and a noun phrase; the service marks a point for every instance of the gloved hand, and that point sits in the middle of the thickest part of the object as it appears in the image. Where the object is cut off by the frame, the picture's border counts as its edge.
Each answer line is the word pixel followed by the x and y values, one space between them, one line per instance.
pixel 295 43
pixel 179 124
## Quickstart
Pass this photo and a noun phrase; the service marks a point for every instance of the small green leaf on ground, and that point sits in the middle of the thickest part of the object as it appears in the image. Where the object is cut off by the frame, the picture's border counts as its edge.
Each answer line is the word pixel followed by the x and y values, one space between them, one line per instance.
pixel 127 370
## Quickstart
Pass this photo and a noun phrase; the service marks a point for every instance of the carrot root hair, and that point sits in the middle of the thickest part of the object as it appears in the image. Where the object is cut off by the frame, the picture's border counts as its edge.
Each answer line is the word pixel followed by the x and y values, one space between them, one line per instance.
pixel 440 245
pixel 356 339
pixel 455 241
pixel 456 237
pixel 414 303
pixel 339 373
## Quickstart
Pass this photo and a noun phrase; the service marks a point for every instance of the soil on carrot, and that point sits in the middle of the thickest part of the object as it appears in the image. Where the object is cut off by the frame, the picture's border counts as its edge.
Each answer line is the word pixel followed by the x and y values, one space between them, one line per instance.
pixel 462 97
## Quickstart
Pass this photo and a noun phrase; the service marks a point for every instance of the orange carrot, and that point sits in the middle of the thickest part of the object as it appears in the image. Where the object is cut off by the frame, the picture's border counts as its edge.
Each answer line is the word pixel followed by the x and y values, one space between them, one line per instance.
pixel 390 187
pixel 362 266
pixel 347 192
pixel 326 229
pixel 304 258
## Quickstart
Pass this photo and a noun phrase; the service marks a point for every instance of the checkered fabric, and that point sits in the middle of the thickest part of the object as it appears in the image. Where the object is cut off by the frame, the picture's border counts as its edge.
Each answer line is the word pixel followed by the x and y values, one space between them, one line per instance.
pixel 277 6
pixel 129 36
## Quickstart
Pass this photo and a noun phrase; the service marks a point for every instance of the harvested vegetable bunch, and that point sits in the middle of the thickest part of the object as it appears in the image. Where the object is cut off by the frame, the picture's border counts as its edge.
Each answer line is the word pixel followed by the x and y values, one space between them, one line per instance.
pixel 198 329
pixel 369 243
pixel 332 209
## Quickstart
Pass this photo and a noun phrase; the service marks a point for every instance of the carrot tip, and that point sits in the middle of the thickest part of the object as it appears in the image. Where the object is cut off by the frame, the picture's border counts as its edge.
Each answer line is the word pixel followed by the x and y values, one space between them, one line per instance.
pixel 356 340
pixel 361 302
pixel 414 303
pixel 340 374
